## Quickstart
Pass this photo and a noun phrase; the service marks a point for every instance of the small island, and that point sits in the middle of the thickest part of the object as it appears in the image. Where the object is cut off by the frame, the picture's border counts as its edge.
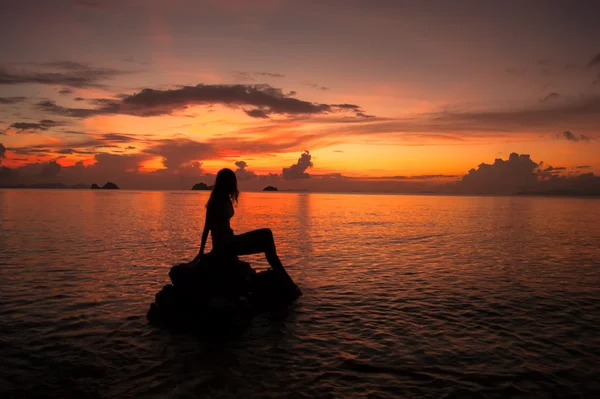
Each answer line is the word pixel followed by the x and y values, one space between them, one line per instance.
pixel 107 186
pixel 270 188
pixel 201 186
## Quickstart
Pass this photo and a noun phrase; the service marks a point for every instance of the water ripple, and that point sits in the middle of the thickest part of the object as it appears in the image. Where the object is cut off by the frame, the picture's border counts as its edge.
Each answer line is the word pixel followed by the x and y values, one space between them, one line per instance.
pixel 423 297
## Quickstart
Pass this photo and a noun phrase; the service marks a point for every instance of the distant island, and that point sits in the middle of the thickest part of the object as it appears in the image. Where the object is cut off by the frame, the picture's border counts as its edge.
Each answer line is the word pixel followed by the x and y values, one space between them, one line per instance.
pixel 48 185
pixel 107 186
pixel 270 188
pixel 201 186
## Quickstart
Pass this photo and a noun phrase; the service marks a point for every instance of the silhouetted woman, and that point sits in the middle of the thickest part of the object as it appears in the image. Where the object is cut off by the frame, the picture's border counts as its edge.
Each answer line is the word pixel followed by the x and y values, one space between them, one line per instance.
pixel 219 210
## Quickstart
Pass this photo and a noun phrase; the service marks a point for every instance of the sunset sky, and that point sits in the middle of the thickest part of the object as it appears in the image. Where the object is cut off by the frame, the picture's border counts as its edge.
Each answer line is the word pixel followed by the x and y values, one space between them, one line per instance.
pixel 375 95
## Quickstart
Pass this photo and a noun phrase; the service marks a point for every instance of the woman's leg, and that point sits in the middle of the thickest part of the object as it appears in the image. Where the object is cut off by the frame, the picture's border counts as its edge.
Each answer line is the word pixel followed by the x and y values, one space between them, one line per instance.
pixel 259 241
pixel 255 242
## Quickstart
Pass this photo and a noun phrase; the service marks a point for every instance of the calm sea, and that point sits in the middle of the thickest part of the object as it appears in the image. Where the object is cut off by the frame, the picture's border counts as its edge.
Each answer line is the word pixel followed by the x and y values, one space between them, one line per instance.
pixel 404 296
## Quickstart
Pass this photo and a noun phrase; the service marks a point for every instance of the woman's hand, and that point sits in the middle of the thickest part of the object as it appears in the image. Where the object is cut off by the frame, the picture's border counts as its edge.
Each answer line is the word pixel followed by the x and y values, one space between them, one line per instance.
pixel 198 258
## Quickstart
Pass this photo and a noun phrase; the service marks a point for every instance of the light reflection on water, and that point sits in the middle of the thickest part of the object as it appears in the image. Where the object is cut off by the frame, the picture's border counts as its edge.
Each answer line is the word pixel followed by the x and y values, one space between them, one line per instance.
pixel 420 296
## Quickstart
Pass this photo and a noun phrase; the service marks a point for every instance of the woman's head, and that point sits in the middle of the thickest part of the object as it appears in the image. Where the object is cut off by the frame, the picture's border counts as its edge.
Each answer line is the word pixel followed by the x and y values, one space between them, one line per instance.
pixel 225 185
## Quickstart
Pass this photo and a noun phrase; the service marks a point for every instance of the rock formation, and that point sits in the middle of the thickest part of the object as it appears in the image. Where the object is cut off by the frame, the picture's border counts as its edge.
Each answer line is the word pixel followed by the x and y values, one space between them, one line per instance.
pixel 201 186
pixel 110 186
pixel 219 296
pixel 270 188
pixel 107 186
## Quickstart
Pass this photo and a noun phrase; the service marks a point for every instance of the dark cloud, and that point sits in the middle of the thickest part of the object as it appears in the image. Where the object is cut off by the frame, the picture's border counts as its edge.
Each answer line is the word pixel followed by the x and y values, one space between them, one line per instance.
pixel 363 115
pixel 553 169
pixel 178 153
pixel 116 163
pixel 270 74
pixel 520 174
pixel 270 100
pixel 51 169
pixel 298 170
pixel 2 152
pixel 64 73
pixel 248 76
pixel 79 99
pixel 549 97
pixel 594 61
pixel 265 99
pixel 117 138
pixel 71 151
pixel 583 113
pixel 29 126
pixel 51 107
pixel 583 167
pixel 256 113
pixel 11 100
pixel 346 106
pixel 316 86
pixel 568 135
pixel 64 92
pixel 242 173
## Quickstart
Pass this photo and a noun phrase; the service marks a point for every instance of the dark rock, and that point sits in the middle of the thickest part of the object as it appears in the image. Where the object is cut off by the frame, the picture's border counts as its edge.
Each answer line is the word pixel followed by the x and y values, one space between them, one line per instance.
pixel 110 186
pixel 270 188
pixel 219 296
pixel 95 187
pixel 201 186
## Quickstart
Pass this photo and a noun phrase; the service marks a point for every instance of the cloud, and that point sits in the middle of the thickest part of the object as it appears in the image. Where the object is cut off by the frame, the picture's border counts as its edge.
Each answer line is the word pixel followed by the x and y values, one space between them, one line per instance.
pixel 64 92
pixel 51 169
pixel 256 113
pixel 117 138
pixel 2 152
pixel 316 86
pixel 363 115
pixel 71 151
pixel 298 170
pixel 248 76
pixel 583 167
pixel 117 163
pixel 44 125
pixel 270 100
pixel 550 97
pixel 573 137
pixel 594 61
pixel 520 174
pixel 516 174
pixel 270 74
pixel 584 113
pixel 51 107
pixel 64 73
pixel 265 100
pixel 242 173
pixel 11 100
pixel 178 153
pixel 553 169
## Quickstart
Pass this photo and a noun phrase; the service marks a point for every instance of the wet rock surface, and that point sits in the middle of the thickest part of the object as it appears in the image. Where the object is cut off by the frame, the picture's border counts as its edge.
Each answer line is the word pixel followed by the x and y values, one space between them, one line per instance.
pixel 220 295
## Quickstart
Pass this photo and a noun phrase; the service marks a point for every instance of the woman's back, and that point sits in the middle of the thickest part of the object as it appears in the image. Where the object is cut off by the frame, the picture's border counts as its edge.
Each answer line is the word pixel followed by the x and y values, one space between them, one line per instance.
pixel 219 211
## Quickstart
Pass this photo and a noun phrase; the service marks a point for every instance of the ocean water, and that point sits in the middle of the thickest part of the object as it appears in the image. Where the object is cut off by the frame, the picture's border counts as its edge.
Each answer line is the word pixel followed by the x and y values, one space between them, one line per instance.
pixel 404 296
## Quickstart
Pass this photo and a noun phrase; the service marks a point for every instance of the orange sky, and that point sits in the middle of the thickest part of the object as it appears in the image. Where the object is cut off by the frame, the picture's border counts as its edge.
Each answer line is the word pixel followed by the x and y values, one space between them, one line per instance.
pixel 371 91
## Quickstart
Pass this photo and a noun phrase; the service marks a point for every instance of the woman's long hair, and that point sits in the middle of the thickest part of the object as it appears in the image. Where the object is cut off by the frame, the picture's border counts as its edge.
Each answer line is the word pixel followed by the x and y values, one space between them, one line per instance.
pixel 225 187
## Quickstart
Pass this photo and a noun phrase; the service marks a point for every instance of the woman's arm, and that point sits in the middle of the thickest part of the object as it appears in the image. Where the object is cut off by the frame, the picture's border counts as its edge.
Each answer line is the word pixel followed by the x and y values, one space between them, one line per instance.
pixel 204 238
